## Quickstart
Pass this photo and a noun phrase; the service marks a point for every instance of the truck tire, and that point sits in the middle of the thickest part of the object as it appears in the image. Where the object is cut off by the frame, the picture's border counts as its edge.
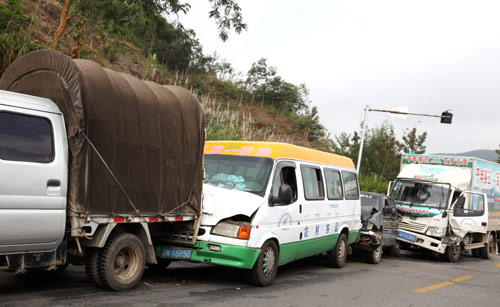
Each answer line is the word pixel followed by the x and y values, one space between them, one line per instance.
pixel 91 257
pixel 489 249
pixel 375 256
pixel 338 256
pixel 265 268
pixel 453 253
pixel 476 253
pixel 121 262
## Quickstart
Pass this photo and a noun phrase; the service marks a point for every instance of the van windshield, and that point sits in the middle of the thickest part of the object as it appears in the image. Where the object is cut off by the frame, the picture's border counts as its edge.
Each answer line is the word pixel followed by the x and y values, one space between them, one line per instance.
pixel 429 194
pixel 243 173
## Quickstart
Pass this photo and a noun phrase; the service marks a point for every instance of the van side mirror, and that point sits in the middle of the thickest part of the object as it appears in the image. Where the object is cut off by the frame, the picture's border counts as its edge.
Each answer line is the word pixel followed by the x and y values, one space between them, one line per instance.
pixel 285 194
pixel 284 198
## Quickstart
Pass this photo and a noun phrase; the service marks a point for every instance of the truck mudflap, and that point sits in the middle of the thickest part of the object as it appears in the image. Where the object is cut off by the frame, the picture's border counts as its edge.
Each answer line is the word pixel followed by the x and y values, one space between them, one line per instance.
pixel 421 241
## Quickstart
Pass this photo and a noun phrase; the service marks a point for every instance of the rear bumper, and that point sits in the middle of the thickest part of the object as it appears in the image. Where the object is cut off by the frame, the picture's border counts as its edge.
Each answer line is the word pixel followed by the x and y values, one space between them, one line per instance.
pixel 424 241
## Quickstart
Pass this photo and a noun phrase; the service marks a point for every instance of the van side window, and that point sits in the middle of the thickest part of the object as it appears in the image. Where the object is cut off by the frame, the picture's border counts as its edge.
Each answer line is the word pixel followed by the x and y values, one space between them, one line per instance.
pixel 285 176
pixel 313 183
pixel 26 138
pixel 350 185
pixel 333 184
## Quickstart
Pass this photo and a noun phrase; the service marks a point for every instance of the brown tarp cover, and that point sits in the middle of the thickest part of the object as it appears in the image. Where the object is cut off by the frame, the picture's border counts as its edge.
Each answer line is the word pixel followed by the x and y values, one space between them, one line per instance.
pixel 151 136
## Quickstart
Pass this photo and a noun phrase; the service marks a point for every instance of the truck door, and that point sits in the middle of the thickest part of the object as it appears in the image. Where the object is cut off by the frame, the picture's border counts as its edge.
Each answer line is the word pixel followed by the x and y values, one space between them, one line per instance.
pixel 390 221
pixel 469 214
pixel 33 179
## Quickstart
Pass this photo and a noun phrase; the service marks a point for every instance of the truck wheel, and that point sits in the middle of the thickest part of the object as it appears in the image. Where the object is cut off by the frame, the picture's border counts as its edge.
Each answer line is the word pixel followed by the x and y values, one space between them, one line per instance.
pixel 264 270
pixel 91 266
pixel 395 250
pixel 121 262
pixel 453 253
pixel 338 256
pixel 489 249
pixel 375 256
pixel 476 253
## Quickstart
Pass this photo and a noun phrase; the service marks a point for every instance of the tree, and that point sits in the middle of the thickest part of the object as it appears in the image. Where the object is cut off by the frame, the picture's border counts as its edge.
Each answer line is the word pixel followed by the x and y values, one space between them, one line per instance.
pixel 382 151
pixel 142 18
pixel 413 143
pixel 498 153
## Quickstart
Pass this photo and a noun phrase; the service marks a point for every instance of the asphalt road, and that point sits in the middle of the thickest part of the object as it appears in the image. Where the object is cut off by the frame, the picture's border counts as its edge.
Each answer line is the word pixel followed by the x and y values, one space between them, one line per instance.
pixel 411 280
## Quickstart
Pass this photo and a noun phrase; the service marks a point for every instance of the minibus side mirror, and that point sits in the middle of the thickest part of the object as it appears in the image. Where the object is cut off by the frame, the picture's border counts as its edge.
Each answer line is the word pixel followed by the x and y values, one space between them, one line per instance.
pixel 285 194
pixel 284 198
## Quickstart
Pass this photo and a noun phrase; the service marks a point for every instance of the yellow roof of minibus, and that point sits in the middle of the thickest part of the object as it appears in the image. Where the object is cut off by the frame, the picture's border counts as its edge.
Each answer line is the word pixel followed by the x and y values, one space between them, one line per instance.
pixel 275 150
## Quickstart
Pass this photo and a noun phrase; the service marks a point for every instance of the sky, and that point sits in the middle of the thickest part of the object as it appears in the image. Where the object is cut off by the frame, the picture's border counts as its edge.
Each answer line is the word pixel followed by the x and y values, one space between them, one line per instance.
pixel 429 56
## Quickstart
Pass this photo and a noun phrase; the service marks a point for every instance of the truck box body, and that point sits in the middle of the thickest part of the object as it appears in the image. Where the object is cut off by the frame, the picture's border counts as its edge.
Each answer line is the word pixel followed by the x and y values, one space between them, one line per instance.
pixel 98 168
pixel 150 136
pixel 463 173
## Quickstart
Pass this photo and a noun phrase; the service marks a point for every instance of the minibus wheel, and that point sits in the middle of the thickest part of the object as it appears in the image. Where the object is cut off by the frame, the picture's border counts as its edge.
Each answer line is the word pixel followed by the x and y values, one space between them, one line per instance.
pixel 338 256
pixel 266 266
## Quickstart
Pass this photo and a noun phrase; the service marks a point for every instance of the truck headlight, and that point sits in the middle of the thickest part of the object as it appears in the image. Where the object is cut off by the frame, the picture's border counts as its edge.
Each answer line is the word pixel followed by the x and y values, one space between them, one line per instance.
pixel 232 230
pixel 436 231
pixel 369 226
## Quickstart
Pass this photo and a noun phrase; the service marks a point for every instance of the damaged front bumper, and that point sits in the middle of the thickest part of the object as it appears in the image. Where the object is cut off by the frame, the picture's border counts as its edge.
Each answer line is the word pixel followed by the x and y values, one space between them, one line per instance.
pixel 369 240
pixel 422 241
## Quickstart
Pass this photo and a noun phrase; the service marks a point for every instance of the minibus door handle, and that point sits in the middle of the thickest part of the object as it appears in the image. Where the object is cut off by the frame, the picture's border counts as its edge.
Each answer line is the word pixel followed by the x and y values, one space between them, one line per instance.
pixel 300 208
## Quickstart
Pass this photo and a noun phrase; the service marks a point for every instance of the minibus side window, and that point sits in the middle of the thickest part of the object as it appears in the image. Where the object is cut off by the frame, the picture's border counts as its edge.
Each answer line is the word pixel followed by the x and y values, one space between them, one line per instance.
pixel 313 183
pixel 333 184
pixel 285 175
pixel 350 185
pixel 26 138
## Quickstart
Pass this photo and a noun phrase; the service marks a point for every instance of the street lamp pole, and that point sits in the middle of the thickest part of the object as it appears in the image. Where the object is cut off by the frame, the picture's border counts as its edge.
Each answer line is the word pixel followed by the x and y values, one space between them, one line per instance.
pixel 362 138
pixel 446 118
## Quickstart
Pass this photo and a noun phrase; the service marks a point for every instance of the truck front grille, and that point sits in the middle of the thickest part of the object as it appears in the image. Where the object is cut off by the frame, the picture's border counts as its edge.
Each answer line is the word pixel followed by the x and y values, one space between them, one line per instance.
pixel 412 226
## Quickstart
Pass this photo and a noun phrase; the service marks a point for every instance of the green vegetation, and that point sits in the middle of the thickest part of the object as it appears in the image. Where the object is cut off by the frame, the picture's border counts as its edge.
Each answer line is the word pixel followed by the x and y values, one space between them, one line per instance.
pixel 381 153
pixel 143 38
pixel 16 31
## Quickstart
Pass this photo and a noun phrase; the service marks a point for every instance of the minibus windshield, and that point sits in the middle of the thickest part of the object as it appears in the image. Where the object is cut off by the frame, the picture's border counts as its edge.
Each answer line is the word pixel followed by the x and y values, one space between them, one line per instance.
pixel 243 173
pixel 427 194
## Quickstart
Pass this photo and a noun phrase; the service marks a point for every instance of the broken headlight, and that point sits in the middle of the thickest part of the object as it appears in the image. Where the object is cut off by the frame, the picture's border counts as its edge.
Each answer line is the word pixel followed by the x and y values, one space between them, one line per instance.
pixel 436 231
pixel 232 230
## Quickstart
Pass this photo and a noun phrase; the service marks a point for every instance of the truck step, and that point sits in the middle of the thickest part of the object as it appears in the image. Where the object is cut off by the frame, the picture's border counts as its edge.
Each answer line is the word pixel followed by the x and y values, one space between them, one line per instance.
pixel 473 246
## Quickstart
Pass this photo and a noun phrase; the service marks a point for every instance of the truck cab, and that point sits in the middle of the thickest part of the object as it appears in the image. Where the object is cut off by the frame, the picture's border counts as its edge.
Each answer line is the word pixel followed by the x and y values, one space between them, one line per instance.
pixel 33 164
pixel 440 211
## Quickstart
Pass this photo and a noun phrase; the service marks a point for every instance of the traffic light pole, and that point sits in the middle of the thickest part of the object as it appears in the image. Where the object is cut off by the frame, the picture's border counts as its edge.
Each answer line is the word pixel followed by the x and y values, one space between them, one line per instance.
pixel 446 118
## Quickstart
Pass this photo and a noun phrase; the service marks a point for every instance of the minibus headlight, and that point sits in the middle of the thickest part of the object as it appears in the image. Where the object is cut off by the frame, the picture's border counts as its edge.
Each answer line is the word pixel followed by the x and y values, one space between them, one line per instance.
pixel 232 230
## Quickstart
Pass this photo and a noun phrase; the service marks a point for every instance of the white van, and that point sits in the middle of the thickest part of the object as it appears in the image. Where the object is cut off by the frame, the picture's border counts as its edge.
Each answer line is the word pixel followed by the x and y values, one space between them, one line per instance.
pixel 267 204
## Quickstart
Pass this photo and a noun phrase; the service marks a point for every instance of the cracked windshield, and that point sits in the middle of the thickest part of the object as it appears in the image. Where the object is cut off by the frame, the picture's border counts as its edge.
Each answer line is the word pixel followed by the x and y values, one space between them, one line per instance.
pixel 433 195
pixel 242 173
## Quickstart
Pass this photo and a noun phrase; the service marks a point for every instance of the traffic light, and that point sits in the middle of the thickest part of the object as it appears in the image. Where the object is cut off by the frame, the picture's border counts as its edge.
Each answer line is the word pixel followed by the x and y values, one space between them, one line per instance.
pixel 446 117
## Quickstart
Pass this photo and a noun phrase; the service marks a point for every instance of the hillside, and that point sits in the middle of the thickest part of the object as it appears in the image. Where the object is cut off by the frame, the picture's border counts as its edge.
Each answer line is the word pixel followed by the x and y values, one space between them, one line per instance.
pixel 138 41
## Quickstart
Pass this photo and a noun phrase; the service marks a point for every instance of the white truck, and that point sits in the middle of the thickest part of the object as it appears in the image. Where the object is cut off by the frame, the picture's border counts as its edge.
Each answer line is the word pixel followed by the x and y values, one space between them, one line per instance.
pixel 97 168
pixel 448 204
